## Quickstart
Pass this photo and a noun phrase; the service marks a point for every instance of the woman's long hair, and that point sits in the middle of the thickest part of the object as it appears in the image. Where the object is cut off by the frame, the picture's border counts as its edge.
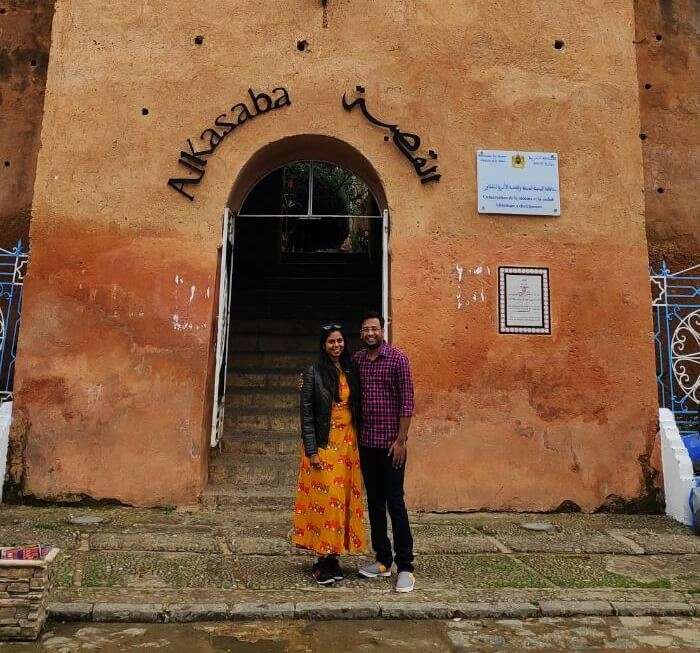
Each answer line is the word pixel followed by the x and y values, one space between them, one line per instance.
pixel 328 371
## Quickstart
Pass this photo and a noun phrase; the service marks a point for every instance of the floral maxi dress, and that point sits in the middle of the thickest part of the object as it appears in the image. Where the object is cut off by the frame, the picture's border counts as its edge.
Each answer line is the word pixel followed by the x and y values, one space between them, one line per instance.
pixel 329 510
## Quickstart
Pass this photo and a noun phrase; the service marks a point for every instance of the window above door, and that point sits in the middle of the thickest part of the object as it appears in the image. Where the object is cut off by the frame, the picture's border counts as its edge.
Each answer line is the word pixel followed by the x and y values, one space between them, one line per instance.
pixel 323 208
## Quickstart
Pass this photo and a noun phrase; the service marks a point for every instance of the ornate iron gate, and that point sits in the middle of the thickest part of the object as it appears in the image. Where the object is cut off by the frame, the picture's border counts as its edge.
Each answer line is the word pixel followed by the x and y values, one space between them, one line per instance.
pixel 13 266
pixel 676 306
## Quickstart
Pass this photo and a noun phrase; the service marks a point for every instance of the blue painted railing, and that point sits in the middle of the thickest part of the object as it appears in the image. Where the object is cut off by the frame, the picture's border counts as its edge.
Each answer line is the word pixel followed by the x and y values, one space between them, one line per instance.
pixel 676 308
pixel 13 267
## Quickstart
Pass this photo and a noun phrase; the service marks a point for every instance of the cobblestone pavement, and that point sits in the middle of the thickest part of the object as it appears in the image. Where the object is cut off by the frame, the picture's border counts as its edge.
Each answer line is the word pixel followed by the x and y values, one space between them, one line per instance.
pixel 204 563
pixel 545 634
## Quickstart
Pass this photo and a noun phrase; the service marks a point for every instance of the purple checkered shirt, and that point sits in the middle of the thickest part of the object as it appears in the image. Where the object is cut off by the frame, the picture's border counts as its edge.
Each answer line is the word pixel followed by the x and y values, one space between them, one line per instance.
pixel 387 394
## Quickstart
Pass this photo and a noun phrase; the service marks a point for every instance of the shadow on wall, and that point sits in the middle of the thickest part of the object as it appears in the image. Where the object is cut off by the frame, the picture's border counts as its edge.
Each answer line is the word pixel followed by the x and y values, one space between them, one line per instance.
pixel 666 34
pixel 25 26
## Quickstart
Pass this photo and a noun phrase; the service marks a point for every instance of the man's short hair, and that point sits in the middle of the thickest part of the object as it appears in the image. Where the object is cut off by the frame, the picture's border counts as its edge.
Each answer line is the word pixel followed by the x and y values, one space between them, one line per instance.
pixel 373 315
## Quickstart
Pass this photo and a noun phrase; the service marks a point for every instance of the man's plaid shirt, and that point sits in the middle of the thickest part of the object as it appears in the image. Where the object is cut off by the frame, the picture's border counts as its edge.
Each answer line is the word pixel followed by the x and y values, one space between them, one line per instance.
pixel 387 394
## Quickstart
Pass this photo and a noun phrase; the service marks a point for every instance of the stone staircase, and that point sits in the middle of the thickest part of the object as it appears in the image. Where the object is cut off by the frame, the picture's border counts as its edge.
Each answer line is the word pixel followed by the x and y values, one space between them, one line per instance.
pixel 260 448
pixel 274 333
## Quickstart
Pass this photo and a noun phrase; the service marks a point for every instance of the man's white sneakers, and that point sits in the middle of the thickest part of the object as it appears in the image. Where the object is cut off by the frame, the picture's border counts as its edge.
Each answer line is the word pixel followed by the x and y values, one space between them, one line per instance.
pixel 375 570
pixel 405 582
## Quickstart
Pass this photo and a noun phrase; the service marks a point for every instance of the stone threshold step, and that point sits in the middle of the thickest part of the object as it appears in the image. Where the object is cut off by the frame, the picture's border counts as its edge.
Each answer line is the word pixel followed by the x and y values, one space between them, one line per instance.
pixel 270 379
pixel 262 367
pixel 241 439
pixel 263 326
pixel 229 495
pixel 271 360
pixel 273 400
pixel 259 447
pixel 298 606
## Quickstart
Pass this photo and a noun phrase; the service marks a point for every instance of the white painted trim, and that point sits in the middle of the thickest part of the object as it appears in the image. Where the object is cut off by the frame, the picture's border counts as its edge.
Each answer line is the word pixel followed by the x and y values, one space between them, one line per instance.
pixel 385 272
pixel 679 479
pixel 5 422
pixel 222 325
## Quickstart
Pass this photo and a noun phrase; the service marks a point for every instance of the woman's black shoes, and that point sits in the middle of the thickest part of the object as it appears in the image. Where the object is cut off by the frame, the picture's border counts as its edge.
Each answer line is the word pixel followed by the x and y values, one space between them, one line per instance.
pixel 334 567
pixel 322 573
pixel 327 571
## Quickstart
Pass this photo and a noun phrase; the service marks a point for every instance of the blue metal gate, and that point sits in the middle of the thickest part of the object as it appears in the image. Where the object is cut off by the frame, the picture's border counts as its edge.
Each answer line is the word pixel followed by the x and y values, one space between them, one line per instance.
pixel 13 267
pixel 676 306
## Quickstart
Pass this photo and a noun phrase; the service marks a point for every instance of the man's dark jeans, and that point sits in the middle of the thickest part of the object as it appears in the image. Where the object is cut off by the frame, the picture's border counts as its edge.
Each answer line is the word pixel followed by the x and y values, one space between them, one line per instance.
pixel 384 486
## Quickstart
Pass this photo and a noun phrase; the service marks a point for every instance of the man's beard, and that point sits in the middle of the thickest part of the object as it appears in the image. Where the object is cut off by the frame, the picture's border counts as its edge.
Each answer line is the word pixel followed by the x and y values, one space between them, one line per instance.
pixel 376 344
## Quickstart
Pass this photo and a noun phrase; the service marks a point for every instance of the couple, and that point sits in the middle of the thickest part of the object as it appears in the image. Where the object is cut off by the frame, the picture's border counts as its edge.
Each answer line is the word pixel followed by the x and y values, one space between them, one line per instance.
pixel 355 414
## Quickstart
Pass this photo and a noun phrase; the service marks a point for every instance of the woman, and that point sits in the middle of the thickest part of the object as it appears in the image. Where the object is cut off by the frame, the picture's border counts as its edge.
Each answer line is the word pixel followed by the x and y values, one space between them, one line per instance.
pixel 329 512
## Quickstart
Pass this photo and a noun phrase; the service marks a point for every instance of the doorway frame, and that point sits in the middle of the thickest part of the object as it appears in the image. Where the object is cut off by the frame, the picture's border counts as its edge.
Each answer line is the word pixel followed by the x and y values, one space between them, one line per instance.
pixel 223 323
pixel 226 261
pixel 225 269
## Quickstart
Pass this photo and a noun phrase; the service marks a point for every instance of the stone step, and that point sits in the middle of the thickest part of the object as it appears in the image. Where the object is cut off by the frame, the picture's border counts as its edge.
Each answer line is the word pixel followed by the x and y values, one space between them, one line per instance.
pixel 261 476
pixel 269 379
pixel 326 264
pixel 300 283
pixel 278 422
pixel 261 444
pixel 267 326
pixel 283 361
pixel 319 314
pixel 257 398
pixel 248 342
pixel 311 296
pixel 224 495
pixel 253 469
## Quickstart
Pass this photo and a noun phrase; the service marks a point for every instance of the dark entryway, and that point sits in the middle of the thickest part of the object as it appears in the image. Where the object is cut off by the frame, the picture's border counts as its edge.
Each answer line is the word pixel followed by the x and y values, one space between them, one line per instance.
pixel 308 250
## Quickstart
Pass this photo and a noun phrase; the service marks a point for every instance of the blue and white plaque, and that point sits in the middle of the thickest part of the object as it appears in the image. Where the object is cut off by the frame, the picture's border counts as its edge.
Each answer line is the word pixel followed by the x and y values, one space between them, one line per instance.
pixel 521 183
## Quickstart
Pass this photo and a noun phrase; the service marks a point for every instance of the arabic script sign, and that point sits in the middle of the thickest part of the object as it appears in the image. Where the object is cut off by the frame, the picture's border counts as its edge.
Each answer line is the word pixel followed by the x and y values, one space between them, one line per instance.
pixel 406 142
pixel 522 183
pixel 523 300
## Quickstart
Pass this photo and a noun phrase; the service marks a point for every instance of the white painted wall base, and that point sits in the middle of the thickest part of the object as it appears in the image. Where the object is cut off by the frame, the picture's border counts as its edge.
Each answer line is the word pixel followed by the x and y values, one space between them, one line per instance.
pixel 5 420
pixel 679 479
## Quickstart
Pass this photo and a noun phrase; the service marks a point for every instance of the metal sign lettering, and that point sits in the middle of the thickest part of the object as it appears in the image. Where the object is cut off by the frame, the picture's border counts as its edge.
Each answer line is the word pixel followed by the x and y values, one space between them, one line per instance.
pixel 224 124
pixel 406 142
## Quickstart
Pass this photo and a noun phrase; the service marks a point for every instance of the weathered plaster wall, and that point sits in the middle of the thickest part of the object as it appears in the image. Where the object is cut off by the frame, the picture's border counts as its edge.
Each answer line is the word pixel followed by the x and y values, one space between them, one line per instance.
pixel 114 352
pixel 25 34
pixel 667 58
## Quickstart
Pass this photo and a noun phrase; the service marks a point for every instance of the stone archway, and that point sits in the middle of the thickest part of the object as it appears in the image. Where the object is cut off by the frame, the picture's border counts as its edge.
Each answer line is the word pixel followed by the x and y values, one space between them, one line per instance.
pixel 304 146
pixel 279 298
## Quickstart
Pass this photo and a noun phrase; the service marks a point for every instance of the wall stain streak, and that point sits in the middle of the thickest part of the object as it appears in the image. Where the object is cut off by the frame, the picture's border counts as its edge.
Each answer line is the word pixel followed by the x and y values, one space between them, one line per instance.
pixel 25 34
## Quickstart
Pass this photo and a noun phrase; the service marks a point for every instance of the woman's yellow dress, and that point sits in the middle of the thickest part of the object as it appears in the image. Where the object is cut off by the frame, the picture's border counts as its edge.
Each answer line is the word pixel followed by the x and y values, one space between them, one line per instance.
pixel 329 509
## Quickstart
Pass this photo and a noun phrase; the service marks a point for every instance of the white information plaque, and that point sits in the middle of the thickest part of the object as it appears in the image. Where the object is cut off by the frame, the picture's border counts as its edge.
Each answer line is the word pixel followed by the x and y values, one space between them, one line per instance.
pixel 523 300
pixel 521 183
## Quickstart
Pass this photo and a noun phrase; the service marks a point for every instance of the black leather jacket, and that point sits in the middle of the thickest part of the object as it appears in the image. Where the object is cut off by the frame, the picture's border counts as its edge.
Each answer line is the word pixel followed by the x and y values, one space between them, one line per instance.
pixel 316 403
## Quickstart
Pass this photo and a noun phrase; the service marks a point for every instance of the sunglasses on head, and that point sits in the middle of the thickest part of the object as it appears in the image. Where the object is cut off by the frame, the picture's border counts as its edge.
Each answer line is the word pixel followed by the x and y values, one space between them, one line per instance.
pixel 329 327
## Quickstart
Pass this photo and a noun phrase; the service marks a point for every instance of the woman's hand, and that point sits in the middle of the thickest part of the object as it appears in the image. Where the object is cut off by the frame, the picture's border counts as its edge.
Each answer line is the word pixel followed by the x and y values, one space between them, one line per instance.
pixel 315 462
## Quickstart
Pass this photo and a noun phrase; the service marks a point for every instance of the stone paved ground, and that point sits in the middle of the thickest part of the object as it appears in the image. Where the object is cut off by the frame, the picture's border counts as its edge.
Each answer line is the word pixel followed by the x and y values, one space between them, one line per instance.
pixel 206 563
pixel 484 636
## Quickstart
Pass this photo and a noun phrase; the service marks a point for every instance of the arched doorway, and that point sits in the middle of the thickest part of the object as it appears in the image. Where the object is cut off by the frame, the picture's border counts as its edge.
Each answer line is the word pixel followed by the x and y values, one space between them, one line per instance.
pixel 309 248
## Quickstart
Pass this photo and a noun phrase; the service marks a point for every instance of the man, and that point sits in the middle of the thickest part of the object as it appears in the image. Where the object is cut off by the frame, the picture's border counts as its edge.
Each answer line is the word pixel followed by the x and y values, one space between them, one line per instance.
pixel 387 408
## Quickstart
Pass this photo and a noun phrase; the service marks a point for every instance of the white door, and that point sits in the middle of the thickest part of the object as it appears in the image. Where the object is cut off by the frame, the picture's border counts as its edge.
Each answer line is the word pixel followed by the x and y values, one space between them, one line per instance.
pixel 385 272
pixel 222 327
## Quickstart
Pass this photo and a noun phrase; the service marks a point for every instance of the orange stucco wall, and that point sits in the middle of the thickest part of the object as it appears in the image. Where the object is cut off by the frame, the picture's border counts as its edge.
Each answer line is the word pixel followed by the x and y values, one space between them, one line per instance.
pixel 114 353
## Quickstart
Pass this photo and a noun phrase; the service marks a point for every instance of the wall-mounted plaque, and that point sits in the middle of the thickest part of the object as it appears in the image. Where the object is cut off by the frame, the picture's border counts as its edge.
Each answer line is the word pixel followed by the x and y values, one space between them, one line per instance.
pixel 521 183
pixel 523 300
